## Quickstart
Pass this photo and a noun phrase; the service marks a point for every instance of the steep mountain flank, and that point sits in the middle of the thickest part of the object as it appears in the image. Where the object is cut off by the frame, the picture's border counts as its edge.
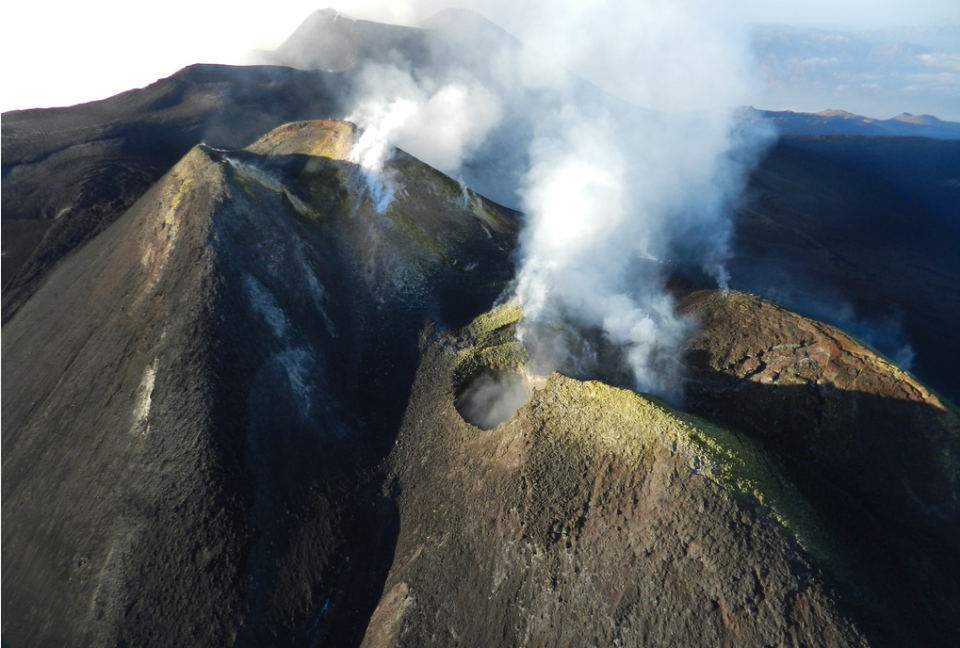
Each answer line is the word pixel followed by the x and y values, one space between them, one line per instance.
pixel 871 448
pixel 194 401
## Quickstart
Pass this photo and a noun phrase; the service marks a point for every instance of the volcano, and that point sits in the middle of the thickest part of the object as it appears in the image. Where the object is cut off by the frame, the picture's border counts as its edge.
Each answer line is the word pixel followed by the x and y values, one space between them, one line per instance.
pixel 234 387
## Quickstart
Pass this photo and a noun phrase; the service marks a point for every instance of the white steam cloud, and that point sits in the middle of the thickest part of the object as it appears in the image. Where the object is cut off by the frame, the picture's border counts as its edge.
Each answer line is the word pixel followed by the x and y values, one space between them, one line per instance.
pixel 587 252
pixel 618 189
pixel 440 123
pixel 612 197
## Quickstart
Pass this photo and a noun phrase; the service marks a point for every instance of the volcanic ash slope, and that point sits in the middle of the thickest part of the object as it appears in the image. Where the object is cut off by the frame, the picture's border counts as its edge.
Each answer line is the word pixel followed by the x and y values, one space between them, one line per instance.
pixel 822 512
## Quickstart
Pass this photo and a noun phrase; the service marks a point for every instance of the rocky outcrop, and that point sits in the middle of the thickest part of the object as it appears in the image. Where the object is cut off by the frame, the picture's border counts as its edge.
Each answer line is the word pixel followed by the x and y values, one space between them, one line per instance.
pixel 873 449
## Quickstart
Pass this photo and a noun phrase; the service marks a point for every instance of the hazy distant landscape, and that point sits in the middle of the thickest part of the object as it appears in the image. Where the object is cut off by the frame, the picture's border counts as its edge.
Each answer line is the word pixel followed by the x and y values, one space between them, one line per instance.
pixel 876 72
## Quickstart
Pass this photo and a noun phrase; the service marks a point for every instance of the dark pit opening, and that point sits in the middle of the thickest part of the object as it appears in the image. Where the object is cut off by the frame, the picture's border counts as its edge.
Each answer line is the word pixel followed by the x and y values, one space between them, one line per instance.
pixel 492 398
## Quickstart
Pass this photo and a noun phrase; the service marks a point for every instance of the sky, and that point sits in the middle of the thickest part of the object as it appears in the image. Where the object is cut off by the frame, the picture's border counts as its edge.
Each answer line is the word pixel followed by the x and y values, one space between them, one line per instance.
pixel 60 53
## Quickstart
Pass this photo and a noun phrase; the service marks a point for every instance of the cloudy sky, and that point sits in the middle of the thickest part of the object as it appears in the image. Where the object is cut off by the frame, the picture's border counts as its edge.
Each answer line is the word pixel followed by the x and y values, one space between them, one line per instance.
pixel 869 57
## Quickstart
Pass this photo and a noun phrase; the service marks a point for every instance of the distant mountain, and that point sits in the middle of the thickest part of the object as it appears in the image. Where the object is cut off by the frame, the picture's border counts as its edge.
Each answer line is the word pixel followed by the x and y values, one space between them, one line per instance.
pixel 839 122
pixel 865 71
pixel 334 42
pixel 70 172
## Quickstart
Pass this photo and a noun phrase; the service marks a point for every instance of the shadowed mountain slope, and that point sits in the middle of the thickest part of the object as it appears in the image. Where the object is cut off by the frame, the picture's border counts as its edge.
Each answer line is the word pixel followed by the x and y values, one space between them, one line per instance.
pixel 834 229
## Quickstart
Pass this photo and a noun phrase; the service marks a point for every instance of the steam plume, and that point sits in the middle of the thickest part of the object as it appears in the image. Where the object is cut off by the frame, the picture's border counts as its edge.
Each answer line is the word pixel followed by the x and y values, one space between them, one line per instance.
pixel 616 190
pixel 440 123
pixel 611 196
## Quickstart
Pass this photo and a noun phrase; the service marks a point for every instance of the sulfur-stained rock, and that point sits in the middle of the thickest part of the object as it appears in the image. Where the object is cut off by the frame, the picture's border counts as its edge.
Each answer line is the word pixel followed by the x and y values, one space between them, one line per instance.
pixel 596 514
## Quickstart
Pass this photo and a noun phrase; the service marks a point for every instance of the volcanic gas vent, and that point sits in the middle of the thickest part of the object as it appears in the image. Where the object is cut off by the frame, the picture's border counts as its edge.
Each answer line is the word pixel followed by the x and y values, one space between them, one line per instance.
pixel 491 398
pixel 491 384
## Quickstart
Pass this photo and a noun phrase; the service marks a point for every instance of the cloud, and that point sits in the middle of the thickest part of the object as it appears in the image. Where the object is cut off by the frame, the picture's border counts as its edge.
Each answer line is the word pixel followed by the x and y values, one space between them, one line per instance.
pixel 933 82
pixel 941 60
